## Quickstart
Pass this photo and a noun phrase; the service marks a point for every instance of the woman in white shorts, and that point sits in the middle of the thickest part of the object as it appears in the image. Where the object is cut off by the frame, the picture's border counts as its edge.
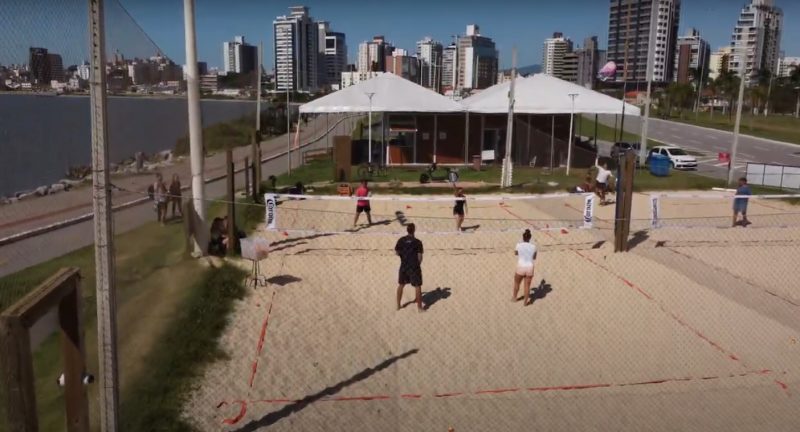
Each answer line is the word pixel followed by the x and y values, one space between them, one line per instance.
pixel 526 257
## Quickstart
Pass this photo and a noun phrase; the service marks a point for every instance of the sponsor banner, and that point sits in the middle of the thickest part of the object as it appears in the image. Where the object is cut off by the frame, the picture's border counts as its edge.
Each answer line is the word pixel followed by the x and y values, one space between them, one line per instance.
pixel 655 210
pixel 588 211
pixel 272 211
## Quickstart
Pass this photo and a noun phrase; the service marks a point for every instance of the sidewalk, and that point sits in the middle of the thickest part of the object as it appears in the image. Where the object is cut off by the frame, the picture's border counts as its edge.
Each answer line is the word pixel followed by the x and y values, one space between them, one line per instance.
pixel 42 211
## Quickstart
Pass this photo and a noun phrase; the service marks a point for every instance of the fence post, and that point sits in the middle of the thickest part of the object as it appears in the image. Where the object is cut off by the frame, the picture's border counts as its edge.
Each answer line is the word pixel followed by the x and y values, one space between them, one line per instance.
pixel 231 190
pixel 72 348
pixel 783 172
pixel 247 187
pixel 17 364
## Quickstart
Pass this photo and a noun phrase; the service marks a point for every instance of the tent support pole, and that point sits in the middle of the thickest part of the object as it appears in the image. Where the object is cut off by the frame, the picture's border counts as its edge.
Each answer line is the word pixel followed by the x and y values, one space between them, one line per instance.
pixel 435 135
pixel 529 139
pixel 416 137
pixel 466 138
pixel 552 141
pixel 483 127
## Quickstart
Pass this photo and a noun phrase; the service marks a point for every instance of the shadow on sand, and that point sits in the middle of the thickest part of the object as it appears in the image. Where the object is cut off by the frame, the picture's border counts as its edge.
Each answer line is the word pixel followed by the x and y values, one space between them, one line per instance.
pixel 292 408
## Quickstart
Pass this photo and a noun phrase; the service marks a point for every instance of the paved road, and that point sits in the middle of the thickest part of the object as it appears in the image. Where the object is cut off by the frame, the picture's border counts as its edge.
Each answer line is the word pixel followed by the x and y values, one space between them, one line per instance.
pixel 710 142
pixel 28 252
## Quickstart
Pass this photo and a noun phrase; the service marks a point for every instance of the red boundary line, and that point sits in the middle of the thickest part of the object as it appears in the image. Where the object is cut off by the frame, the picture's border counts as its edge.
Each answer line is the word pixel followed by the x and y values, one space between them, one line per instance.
pixel 243 405
pixel 263 336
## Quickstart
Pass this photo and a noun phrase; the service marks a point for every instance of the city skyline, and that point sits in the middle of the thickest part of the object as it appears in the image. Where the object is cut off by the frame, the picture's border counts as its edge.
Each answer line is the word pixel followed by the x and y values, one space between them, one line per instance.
pixel 510 23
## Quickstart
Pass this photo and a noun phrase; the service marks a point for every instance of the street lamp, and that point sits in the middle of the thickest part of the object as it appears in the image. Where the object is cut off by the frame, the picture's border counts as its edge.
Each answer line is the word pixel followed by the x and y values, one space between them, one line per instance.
pixel 571 124
pixel 797 108
pixel 369 128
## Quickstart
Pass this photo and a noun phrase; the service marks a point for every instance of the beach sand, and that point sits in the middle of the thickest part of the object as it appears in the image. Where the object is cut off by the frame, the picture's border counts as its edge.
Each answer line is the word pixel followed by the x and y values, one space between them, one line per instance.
pixel 693 329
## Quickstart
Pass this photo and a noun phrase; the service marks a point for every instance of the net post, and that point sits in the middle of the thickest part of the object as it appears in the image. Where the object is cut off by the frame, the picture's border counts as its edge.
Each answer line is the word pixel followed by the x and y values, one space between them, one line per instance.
pixel 72 348
pixel 625 203
pixel 18 379
pixel 231 190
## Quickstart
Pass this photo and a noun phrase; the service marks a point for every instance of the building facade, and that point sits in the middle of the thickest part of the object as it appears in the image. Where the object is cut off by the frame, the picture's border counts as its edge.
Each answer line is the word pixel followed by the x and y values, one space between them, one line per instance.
pixel 756 39
pixel 477 60
pixel 553 52
pixel 404 65
pixel 449 68
pixel 350 78
pixel 629 32
pixel 787 65
pixel 429 53
pixel 238 56
pixel 333 55
pixel 719 62
pixel 296 51
pixel 588 62
pixel 372 54
pixel 691 57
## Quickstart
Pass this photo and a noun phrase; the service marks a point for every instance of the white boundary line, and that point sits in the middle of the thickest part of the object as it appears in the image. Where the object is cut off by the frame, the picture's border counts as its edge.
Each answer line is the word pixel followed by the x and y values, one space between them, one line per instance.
pixel 428 199
pixel 396 233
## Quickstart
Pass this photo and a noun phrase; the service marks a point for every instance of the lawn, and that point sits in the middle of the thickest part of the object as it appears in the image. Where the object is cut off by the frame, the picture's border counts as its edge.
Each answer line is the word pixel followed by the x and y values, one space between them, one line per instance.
pixel 776 127
pixel 586 127
pixel 162 296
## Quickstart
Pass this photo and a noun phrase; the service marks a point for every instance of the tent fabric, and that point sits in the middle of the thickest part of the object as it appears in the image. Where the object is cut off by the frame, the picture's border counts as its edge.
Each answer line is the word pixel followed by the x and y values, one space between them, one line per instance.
pixel 545 94
pixel 391 94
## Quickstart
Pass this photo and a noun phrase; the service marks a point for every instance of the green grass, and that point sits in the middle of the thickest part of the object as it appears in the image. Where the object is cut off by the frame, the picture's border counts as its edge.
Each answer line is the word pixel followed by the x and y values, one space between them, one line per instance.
pixel 221 136
pixel 159 291
pixel 776 127
pixel 586 127
pixel 156 401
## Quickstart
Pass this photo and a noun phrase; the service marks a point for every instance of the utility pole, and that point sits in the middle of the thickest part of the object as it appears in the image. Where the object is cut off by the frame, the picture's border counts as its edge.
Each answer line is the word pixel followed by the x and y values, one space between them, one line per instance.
pixel 258 85
pixel 735 145
pixel 196 153
pixel 507 179
pixel 288 132
pixel 103 226
pixel 648 101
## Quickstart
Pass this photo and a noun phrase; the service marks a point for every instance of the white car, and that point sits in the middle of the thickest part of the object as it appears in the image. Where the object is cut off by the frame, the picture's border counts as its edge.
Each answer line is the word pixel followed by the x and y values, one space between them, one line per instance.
pixel 677 156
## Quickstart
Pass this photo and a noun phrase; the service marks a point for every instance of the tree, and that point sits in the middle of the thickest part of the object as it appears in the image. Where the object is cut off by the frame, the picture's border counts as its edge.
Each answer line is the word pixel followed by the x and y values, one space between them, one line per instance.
pixel 680 96
pixel 728 85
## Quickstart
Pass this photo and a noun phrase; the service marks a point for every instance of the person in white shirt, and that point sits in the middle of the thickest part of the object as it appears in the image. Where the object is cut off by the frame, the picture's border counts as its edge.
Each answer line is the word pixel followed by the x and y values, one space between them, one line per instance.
pixel 602 182
pixel 526 257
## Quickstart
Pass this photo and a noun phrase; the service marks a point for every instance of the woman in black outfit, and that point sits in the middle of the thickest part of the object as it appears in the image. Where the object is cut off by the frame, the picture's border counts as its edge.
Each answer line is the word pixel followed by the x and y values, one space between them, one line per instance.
pixel 460 208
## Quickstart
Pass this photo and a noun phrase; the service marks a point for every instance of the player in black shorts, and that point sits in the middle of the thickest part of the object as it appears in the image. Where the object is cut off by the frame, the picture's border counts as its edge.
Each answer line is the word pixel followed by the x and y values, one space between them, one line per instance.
pixel 409 249
pixel 460 208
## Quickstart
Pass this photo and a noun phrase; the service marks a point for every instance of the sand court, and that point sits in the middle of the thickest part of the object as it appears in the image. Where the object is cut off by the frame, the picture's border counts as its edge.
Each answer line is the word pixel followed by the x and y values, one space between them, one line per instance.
pixel 611 341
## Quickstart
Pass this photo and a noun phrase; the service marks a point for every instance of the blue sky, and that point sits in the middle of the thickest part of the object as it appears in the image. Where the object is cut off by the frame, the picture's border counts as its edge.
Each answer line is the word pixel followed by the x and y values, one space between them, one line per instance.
pixel 521 23
pixel 524 24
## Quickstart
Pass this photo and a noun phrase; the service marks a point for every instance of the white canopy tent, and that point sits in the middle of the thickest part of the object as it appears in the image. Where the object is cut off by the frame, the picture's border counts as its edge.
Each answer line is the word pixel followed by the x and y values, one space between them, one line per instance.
pixel 545 94
pixel 391 94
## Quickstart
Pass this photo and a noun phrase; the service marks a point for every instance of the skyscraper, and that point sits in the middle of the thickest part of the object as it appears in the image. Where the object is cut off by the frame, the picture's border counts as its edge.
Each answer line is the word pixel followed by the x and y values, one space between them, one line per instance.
pixel 757 36
pixel 449 68
pixel 553 54
pixel 691 56
pixel 588 62
pixel 372 54
pixel 477 60
pixel 296 39
pixel 56 66
pixel 787 65
pixel 238 56
pixel 429 53
pixel 719 62
pixel 333 55
pixel 39 64
pixel 402 64
pixel 629 30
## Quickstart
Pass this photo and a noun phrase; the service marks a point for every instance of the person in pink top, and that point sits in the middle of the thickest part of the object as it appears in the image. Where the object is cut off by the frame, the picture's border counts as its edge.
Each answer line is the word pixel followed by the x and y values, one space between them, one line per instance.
pixel 363 204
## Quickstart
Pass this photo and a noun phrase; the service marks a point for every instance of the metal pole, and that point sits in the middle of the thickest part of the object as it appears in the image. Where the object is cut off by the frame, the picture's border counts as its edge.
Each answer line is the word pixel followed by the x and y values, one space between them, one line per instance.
pixel 737 125
pixel 435 135
pixel 507 179
pixel 369 129
pixel 196 152
pixel 288 133
pixel 648 96
pixel 466 138
pixel 596 119
pixel 103 227
pixel 797 108
pixel 552 141
pixel 571 124
pixel 258 86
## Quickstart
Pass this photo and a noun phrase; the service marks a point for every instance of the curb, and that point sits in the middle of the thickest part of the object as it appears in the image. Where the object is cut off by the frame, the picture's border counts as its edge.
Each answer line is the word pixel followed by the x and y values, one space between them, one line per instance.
pixel 14 238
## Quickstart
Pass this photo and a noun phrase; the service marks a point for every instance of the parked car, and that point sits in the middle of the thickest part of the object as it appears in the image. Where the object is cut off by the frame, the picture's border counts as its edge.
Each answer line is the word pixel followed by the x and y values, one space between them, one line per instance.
pixel 678 157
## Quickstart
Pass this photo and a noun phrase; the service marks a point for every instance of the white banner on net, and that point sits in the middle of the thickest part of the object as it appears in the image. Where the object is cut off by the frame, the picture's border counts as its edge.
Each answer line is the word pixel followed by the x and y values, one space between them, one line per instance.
pixel 588 211
pixel 271 217
pixel 654 211
pixel 428 198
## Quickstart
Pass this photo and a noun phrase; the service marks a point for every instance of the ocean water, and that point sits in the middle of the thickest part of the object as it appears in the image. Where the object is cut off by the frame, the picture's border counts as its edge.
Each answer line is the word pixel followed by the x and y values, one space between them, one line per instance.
pixel 42 136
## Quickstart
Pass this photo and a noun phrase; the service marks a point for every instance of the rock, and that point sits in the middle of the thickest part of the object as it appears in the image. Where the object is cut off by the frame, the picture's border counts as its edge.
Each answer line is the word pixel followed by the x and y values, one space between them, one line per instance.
pixel 13 200
pixel 57 187
pixel 42 190
pixel 25 195
pixel 69 184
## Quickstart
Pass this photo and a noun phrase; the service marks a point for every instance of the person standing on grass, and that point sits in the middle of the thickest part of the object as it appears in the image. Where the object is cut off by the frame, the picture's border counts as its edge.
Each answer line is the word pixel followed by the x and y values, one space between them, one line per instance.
pixel 601 181
pixel 409 249
pixel 160 198
pixel 526 257
pixel 175 195
pixel 363 204
pixel 460 208
pixel 740 204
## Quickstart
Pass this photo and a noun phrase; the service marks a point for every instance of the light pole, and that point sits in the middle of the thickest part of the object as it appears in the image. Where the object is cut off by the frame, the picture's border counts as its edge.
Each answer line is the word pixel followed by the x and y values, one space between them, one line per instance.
pixel 571 124
pixel 369 128
pixel 797 108
pixel 288 132
pixel 735 145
